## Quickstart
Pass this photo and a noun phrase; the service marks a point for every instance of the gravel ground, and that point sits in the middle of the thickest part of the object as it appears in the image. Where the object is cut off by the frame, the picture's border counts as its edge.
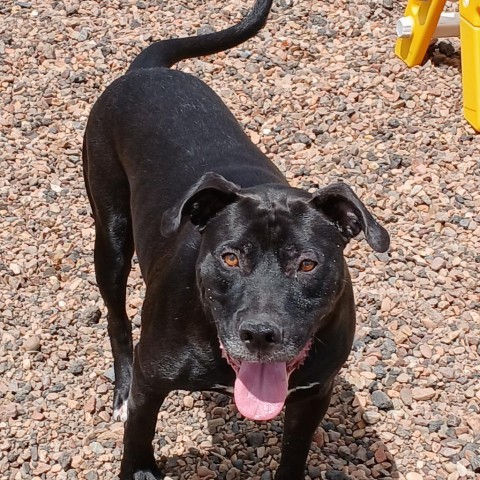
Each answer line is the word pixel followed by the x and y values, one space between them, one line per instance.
pixel 321 92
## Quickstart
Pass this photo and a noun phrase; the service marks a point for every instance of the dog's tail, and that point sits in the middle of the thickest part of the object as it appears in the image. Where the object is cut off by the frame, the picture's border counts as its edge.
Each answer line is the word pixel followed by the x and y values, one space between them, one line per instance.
pixel 167 52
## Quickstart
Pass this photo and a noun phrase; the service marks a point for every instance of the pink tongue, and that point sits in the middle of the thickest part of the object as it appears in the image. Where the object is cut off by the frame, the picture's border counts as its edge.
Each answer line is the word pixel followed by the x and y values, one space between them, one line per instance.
pixel 261 389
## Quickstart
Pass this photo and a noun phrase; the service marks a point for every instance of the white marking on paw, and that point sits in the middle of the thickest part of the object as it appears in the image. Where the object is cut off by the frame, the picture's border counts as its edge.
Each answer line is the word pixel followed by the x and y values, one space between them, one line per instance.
pixel 120 414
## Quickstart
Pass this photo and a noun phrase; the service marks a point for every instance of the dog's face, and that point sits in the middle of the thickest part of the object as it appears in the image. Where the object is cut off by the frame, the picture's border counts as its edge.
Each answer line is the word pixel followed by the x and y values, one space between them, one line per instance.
pixel 269 271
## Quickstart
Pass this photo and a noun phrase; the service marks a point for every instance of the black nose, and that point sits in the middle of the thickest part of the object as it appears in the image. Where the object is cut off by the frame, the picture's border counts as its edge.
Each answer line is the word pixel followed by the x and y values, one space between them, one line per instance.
pixel 260 336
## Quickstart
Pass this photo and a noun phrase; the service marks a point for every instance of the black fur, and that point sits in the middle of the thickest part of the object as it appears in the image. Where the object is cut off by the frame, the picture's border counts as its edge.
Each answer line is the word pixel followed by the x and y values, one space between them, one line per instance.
pixel 170 173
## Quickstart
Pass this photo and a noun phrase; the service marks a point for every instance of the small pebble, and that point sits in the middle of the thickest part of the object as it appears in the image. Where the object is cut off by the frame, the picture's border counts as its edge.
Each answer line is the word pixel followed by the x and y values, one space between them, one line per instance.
pixel 421 394
pixel 382 400
pixel 32 344
pixel 255 439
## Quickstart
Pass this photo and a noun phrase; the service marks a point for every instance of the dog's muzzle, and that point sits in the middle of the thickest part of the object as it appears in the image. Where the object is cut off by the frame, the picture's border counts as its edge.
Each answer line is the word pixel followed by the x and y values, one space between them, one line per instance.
pixel 261 388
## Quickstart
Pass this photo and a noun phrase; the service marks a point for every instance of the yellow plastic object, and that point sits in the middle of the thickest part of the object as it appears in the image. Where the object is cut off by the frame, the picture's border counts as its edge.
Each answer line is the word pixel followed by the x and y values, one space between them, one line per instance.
pixel 424 16
pixel 470 44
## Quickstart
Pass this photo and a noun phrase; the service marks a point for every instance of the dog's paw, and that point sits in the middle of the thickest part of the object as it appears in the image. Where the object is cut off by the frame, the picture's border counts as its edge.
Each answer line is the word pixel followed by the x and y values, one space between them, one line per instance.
pixel 120 403
pixel 120 413
pixel 152 473
pixel 282 475
pixel 147 475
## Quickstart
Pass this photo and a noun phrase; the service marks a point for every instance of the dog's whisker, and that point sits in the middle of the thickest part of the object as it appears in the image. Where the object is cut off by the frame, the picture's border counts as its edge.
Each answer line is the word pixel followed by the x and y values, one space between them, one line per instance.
pixel 318 339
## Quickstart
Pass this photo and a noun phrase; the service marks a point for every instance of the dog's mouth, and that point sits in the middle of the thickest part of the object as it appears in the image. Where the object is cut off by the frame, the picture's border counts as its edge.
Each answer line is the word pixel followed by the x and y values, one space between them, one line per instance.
pixel 261 388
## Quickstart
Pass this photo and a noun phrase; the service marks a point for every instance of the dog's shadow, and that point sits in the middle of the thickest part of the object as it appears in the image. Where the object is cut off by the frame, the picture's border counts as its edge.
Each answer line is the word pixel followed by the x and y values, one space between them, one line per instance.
pixel 230 447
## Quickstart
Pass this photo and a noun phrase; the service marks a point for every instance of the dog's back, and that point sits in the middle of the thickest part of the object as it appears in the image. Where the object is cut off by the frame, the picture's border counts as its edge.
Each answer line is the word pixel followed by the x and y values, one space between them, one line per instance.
pixel 156 131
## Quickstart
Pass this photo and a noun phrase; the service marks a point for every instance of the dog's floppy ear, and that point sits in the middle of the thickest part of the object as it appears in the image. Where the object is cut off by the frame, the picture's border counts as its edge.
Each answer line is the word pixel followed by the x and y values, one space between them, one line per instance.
pixel 340 204
pixel 202 202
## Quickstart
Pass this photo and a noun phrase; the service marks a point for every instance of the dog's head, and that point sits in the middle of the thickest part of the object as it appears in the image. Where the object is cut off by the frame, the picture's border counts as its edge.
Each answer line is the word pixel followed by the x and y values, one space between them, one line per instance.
pixel 270 270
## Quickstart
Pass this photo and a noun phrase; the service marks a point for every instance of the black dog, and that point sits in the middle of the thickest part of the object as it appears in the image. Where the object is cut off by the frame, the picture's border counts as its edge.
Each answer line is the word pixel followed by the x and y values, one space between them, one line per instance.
pixel 246 285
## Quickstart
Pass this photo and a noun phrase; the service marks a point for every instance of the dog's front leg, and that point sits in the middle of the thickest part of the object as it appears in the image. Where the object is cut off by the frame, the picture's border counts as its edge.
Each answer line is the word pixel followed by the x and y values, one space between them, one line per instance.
pixel 302 417
pixel 138 462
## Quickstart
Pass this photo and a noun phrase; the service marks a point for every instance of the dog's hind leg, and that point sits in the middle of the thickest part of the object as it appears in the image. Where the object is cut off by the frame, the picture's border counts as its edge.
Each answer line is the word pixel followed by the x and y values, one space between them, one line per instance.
pixel 109 196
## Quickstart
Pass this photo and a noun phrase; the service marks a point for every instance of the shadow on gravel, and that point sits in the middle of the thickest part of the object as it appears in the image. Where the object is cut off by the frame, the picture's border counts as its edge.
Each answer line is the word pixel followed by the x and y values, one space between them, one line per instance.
pixel 443 54
pixel 344 447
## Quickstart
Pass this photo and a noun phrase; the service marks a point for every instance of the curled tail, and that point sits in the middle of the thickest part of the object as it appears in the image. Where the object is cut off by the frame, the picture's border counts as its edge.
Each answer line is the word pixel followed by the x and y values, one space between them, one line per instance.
pixel 168 52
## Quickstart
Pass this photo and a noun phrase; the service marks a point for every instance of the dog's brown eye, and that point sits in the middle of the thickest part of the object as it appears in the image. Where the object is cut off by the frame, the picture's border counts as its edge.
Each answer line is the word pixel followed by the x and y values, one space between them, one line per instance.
pixel 307 265
pixel 230 259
